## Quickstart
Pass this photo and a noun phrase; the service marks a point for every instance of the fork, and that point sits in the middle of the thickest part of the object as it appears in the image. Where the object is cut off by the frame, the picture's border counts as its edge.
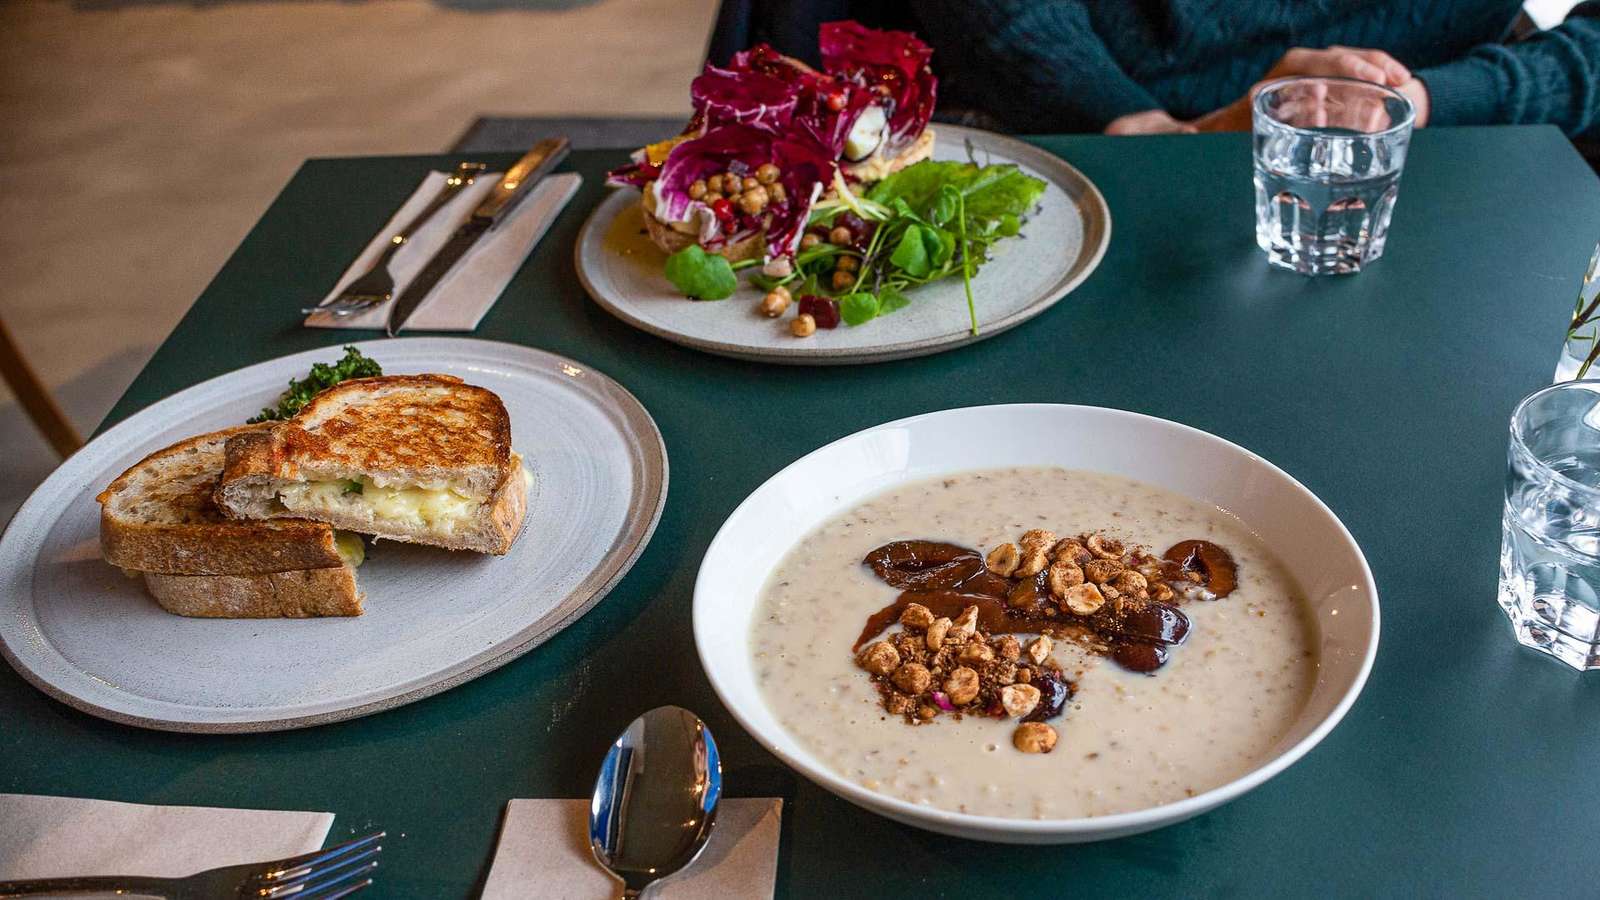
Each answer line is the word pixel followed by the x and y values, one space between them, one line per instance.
pixel 377 285
pixel 320 875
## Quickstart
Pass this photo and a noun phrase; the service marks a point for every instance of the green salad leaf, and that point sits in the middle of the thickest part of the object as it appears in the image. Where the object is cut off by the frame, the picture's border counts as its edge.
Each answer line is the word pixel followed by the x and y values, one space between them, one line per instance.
pixel 699 275
pixel 322 377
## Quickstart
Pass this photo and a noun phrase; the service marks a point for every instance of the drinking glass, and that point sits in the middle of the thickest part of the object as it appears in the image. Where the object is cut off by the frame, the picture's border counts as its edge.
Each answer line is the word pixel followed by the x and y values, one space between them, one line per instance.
pixel 1580 358
pixel 1550 551
pixel 1328 155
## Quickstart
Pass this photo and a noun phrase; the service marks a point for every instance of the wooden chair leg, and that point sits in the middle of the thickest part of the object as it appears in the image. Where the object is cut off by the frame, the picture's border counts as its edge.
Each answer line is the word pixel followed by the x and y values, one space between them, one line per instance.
pixel 35 399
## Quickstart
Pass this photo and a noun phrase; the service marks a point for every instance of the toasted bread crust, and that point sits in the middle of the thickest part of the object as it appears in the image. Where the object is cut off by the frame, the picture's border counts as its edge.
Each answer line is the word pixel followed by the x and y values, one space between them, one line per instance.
pixel 175 483
pixel 337 437
pixel 295 595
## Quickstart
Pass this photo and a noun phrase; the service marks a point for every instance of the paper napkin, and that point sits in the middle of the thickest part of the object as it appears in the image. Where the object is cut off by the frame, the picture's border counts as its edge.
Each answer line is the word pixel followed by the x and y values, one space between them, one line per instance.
pixel 62 837
pixel 544 852
pixel 459 301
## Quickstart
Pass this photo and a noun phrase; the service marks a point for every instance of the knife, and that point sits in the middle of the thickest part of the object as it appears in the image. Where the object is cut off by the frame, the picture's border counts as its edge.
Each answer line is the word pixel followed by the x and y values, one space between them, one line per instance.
pixel 515 185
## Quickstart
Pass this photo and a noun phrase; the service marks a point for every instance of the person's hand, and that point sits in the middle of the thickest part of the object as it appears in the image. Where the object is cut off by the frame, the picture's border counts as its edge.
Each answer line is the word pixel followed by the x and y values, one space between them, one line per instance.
pixel 1347 62
pixel 1150 121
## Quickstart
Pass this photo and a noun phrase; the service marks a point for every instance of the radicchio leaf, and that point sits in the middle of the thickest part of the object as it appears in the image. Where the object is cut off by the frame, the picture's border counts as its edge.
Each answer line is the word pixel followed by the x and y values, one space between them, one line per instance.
pixel 804 165
pixel 894 60
pixel 747 97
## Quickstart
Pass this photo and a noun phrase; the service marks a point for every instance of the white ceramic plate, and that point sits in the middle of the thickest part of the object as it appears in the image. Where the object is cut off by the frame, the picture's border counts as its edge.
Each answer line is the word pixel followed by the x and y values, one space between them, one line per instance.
pixel 89 636
pixel 1060 245
pixel 1304 534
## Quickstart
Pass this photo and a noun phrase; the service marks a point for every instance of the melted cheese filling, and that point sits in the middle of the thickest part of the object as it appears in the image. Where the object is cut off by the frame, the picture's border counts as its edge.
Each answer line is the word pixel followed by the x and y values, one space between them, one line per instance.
pixel 406 504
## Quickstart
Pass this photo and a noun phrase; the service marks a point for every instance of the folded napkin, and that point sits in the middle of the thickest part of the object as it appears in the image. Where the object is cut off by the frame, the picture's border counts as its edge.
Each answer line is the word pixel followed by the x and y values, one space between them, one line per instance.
pixel 460 300
pixel 62 837
pixel 544 852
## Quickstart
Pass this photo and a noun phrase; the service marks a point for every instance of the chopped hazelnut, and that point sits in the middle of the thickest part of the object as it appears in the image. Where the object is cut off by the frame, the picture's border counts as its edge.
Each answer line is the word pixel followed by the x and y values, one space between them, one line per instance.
pixel 1160 592
pixel 1034 737
pixel 1019 699
pixel 767 173
pixel 1009 647
pixel 1104 547
pixel 1064 575
pixel 840 236
pixel 937 631
pixel 803 326
pixel 1101 571
pixel 1069 548
pixel 898 704
pixel 1036 546
pixel 1085 599
pixel 917 616
pixel 913 678
pixel 927 712
pixel 961 686
pixel 1003 672
pixel 1039 649
pixel 976 652
pixel 1132 583
pixel 879 658
pixel 965 625
pixel 774 304
pixel 1024 674
pixel 1004 559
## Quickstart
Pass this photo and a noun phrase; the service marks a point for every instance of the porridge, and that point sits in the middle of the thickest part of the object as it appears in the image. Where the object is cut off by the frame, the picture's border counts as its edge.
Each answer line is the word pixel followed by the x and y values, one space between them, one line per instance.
pixel 1034 643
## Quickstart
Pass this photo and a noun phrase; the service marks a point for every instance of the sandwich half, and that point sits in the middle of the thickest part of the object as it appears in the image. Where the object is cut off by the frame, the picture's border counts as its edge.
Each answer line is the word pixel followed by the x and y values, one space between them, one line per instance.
pixel 158 521
pixel 424 459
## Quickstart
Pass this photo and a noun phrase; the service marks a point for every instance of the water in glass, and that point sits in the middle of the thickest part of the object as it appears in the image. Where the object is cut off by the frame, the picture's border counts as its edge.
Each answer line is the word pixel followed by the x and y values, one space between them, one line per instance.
pixel 1550 552
pixel 1328 157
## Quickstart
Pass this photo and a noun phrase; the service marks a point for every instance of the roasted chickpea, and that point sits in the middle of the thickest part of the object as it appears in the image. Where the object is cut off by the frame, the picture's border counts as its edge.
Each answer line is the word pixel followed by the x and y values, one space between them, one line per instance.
pixel 807 241
pixel 697 190
pixel 774 304
pixel 780 289
pixel 753 201
pixel 803 326
pixel 847 264
pixel 840 236
pixel 777 193
pixel 767 173
pixel 714 184
pixel 749 183
pixel 842 280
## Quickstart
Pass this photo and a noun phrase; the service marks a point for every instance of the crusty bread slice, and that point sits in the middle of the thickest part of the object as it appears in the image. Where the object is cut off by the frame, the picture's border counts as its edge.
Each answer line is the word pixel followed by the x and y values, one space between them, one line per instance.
pixel 295 595
pixel 424 459
pixel 159 516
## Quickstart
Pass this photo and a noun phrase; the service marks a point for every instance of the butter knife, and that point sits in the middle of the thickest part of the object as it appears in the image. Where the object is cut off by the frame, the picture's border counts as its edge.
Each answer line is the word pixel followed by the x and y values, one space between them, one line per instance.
pixel 514 185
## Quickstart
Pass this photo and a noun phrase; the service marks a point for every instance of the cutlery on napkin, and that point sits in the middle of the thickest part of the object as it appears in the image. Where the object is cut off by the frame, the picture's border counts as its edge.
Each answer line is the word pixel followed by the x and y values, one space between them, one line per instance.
pixel 544 851
pixel 460 301
pixel 64 837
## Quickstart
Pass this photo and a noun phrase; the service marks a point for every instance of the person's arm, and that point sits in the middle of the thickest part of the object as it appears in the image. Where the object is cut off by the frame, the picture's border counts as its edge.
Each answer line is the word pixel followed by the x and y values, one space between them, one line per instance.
pixel 1035 64
pixel 1553 76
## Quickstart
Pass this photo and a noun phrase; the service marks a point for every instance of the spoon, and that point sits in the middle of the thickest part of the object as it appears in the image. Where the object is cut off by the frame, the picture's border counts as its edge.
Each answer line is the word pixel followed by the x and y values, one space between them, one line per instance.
pixel 655 799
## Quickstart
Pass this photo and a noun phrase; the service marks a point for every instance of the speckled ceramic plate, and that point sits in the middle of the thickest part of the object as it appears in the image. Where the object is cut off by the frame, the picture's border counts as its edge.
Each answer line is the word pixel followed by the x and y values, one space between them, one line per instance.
pixel 1060 245
pixel 89 636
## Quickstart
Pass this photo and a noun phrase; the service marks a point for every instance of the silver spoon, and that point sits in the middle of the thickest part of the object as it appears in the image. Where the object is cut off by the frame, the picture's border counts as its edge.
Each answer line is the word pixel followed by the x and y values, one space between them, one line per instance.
pixel 655 799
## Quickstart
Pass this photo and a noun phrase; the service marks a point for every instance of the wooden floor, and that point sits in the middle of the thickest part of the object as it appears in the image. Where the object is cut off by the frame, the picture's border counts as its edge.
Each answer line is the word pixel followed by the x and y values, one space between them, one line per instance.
pixel 143 138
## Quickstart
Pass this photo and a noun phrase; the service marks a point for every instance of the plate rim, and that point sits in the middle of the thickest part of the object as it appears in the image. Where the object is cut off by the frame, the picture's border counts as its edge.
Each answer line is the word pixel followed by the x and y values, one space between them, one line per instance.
pixel 1059 830
pixel 1096 212
pixel 537 632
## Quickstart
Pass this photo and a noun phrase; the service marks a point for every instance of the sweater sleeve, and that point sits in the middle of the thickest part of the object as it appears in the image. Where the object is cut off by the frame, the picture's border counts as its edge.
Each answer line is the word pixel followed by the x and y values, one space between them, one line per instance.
pixel 1037 65
pixel 1552 77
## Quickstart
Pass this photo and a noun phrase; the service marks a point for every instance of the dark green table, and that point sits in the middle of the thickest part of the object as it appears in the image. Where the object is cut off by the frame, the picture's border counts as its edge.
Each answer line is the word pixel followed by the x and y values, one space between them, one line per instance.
pixel 1467 767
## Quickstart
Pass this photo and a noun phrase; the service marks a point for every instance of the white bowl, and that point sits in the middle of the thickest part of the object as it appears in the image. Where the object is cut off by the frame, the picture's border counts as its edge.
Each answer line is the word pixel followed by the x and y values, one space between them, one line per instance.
pixel 1301 531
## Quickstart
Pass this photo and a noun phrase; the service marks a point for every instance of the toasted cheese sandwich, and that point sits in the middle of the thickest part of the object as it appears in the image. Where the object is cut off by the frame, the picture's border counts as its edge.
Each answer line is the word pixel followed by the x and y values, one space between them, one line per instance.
pixel 158 521
pixel 425 459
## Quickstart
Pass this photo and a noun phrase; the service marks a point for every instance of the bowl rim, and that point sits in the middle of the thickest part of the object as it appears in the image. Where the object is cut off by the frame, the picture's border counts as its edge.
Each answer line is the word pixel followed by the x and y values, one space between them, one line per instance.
pixel 1115 823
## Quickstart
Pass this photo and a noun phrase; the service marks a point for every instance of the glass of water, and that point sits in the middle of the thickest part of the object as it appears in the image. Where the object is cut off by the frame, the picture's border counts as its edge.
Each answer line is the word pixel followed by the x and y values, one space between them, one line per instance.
pixel 1550 552
pixel 1328 155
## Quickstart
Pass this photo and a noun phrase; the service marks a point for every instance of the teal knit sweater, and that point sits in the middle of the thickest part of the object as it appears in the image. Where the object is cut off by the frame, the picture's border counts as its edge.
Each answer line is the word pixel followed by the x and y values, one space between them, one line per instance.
pixel 1075 65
